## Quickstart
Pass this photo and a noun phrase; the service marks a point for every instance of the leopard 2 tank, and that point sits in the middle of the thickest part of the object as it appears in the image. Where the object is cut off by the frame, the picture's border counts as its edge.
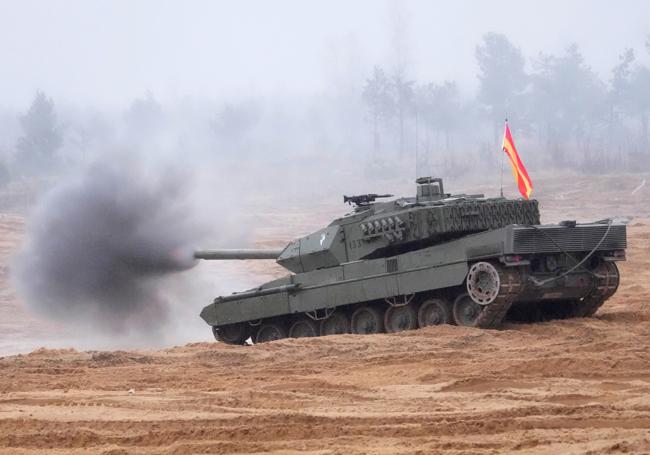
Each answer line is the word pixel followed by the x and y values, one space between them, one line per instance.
pixel 435 258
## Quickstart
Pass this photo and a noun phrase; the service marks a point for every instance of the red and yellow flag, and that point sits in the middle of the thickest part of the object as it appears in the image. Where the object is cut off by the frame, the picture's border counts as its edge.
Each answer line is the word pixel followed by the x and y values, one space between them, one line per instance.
pixel 518 169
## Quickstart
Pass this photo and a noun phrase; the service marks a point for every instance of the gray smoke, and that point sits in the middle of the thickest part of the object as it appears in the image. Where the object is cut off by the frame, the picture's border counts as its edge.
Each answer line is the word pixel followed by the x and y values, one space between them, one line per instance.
pixel 98 247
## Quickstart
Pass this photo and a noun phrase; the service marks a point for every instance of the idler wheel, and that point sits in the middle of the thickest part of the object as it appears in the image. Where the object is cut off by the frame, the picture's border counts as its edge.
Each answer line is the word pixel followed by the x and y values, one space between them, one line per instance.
pixel 303 327
pixel 270 331
pixel 434 312
pixel 399 318
pixel 232 333
pixel 367 320
pixel 336 324
pixel 483 283
pixel 466 311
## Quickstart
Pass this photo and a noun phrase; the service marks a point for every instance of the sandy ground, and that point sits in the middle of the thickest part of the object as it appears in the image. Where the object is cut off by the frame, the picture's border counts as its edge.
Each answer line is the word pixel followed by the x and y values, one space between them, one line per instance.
pixel 577 387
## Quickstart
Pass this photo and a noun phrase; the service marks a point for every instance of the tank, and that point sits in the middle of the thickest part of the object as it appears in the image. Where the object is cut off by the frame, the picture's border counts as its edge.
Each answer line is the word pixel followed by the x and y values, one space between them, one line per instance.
pixel 434 258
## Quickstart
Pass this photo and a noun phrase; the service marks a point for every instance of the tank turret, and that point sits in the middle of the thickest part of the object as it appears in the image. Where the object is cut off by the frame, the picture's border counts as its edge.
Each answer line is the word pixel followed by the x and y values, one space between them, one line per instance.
pixel 377 229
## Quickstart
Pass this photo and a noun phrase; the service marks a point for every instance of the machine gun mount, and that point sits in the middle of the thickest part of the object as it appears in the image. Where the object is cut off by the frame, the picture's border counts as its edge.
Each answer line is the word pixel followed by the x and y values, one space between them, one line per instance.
pixel 363 199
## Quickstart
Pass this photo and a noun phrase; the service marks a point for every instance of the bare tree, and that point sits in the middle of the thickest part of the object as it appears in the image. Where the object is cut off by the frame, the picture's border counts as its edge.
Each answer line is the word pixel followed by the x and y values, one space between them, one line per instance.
pixel 640 101
pixel 618 96
pixel 377 96
pixel 402 88
pixel 630 95
pixel 399 21
pixel 439 107
pixel 403 95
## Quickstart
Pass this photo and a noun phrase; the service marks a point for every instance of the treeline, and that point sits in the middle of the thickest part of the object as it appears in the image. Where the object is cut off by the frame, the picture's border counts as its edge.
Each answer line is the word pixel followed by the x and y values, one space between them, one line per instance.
pixel 563 115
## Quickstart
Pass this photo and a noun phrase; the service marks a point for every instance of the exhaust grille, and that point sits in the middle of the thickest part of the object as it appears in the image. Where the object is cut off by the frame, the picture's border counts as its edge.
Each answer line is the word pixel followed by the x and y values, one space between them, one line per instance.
pixel 579 238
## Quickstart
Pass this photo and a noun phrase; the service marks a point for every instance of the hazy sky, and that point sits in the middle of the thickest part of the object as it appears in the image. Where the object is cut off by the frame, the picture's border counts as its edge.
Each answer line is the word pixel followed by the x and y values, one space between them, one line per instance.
pixel 85 51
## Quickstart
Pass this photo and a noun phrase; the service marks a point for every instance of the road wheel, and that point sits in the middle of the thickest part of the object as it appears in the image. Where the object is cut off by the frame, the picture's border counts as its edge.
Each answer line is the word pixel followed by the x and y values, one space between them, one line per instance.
pixel 434 312
pixel 270 331
pixel 232 333
pixel 367 320
pixel 303 327
pixel 466 311
pixel 336 324
pixel 399 318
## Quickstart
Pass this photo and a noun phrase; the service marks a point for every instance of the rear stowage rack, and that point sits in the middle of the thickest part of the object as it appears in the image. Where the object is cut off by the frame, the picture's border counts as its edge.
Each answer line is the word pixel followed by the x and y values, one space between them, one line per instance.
pixel 580 238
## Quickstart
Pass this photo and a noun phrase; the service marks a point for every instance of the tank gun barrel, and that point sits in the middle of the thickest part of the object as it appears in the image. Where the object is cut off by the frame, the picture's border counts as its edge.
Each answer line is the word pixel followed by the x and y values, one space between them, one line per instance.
pixel 216 255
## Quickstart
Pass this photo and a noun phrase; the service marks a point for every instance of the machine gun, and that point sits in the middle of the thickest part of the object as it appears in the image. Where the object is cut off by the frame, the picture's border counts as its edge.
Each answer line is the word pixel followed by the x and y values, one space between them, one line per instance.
pixel 363 199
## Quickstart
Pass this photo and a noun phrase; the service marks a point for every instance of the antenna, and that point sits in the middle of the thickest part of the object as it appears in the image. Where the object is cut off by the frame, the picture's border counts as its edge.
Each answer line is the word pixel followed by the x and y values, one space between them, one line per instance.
pixel 417 155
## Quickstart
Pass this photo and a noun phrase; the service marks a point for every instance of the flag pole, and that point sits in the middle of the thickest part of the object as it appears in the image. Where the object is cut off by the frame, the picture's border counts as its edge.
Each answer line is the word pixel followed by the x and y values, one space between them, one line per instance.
pixel 502 175
pixel 502 153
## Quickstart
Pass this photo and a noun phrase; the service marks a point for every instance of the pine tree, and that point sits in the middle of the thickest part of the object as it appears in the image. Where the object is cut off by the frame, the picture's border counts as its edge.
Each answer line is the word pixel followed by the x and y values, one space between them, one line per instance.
pixel 42 136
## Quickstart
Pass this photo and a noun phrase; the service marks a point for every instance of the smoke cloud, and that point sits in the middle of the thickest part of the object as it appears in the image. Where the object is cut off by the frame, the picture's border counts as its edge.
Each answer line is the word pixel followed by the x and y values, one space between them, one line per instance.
pixel 98 247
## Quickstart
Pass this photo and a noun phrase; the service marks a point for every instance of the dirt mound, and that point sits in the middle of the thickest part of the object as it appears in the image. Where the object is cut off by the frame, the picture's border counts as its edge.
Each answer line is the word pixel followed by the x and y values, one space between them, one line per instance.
pixel 119 358
pixel 580 386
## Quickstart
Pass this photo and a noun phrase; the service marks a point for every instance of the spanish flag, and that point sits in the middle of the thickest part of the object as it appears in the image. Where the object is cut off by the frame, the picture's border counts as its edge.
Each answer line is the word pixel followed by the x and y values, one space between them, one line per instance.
pixel 518 168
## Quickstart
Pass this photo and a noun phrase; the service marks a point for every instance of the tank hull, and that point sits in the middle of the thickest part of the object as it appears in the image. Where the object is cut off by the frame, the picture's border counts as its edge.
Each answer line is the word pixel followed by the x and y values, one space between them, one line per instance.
pixel 516 255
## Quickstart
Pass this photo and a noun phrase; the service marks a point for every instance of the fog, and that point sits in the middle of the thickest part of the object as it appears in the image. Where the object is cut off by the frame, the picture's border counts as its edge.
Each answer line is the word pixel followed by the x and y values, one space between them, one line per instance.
pixel 259 104
pixel 296 77
pixel 107 52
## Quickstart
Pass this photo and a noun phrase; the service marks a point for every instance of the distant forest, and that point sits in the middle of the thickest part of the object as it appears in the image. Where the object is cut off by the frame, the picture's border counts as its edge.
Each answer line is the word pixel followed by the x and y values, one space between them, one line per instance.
pixel 560 109
pixel 562 114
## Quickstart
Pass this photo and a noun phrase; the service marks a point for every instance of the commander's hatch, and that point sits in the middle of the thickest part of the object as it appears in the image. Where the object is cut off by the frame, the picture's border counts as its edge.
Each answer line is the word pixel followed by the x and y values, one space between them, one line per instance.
pixel 429 189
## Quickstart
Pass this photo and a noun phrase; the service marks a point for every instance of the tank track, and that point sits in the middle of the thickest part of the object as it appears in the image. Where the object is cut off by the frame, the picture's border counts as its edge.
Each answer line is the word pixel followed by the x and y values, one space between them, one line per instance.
pixel 606 284
pixel 494 313
pixel 511 285
pixel 603 287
